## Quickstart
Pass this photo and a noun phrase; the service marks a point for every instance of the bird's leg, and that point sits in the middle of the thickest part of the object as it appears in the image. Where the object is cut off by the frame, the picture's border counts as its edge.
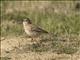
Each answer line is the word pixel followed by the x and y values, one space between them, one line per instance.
pixel 32 39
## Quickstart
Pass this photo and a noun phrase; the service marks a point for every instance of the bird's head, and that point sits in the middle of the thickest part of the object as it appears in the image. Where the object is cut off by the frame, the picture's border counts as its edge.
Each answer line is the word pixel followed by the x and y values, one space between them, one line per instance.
pixel 27 21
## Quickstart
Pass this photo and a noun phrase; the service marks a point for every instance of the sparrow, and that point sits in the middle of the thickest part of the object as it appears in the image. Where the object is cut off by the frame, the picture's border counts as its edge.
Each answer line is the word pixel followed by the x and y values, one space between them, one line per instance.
pixel 32 30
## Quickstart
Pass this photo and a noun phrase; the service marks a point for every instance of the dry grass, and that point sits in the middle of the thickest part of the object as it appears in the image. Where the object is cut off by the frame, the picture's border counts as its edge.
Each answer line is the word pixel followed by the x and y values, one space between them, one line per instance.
pixel 18 48
pixel 60 18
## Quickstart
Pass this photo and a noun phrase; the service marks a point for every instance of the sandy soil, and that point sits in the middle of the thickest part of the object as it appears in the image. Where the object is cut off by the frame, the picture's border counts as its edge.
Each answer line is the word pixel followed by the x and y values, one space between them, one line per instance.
pixel 12 49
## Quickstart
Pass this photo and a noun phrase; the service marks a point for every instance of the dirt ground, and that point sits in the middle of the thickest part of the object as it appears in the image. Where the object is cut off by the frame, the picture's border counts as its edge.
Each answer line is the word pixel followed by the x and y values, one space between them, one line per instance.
pixel 12 49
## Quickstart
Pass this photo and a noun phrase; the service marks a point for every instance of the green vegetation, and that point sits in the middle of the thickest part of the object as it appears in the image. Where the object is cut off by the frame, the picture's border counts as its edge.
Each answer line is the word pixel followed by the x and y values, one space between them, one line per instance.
pixel 42 15
pixel 61 18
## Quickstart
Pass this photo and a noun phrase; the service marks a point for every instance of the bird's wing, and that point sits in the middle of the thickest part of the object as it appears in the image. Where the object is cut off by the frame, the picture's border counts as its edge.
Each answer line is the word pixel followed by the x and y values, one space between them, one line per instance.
pixel 38 29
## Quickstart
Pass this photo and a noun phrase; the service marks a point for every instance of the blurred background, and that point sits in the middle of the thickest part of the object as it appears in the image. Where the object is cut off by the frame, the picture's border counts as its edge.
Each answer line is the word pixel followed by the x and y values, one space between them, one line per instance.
pixel 58 17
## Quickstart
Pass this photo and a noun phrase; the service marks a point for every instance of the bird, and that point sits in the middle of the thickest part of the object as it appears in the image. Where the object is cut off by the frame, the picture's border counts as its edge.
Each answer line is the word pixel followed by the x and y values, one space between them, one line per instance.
pixel 32 30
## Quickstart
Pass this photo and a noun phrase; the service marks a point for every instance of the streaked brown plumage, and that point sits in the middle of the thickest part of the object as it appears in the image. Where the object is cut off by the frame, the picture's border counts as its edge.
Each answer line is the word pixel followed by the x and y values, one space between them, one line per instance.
pixel 32 30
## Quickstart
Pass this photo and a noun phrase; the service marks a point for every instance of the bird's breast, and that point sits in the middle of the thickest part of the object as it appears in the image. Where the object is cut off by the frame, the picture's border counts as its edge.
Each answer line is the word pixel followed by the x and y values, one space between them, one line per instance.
pixel 27 29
